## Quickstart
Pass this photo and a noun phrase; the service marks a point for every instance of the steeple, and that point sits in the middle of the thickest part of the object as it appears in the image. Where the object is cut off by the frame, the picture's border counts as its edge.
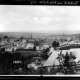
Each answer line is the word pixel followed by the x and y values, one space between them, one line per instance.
pixel 31 35
pixel 63 35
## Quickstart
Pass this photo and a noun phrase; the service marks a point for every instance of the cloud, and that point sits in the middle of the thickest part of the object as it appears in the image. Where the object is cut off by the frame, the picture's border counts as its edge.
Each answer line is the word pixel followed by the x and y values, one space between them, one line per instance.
pixel 39 18
pixel 43 20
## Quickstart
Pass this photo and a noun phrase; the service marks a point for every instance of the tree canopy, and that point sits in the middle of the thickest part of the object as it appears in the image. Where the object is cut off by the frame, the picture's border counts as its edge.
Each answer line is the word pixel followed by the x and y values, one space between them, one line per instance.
pixel 55 44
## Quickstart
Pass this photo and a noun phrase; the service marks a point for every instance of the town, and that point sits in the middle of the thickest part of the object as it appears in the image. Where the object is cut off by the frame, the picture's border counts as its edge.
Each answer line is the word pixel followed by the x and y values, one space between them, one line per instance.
pixel 32 55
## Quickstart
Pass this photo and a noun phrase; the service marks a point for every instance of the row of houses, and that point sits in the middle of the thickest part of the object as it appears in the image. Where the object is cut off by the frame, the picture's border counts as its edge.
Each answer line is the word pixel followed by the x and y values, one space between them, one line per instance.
pixel 21 43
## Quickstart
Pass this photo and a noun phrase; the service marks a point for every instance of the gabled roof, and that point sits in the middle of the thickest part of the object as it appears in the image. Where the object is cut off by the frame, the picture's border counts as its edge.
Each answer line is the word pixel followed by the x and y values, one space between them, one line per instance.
pixel 52 59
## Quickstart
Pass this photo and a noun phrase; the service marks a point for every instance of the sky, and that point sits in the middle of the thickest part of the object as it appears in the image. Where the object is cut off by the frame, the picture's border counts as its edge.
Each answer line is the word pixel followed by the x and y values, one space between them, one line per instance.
pixel 35 18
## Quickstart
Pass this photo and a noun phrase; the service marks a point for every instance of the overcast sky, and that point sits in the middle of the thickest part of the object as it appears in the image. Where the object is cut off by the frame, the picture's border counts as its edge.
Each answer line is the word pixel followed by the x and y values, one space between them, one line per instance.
pixel 23 18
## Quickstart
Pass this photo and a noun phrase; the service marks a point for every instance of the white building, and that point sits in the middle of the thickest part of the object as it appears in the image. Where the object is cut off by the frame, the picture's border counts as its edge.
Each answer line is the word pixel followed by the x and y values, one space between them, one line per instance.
pixel 8 49
pixel 29 46
pixel 45 46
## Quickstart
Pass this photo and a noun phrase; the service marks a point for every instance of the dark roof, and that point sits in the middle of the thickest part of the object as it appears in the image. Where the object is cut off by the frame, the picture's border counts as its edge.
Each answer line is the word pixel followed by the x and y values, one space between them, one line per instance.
pixel 66 47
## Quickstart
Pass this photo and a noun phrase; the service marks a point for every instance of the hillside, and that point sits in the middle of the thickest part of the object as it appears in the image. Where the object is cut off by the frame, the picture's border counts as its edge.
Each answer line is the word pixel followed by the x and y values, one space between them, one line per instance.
pixel 36 35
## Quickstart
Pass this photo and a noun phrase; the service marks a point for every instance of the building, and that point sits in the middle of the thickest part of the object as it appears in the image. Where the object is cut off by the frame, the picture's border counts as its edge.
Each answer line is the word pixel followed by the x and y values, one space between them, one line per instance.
pixel 29 46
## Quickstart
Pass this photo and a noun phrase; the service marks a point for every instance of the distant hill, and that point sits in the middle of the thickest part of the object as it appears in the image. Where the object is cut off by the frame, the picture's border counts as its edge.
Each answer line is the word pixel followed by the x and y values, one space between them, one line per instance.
pixel 24 34
pixel 36 35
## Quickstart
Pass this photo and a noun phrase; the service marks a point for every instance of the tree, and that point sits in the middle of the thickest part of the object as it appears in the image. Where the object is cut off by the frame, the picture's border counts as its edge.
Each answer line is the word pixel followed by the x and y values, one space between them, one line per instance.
pixel 69 65
pixel 22 37
pixel 5 37
pixel 36 43
pixel 55 44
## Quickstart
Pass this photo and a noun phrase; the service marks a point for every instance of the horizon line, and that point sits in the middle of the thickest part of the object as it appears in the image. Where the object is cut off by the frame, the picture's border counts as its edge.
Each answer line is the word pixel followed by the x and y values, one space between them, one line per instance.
pixel 57 33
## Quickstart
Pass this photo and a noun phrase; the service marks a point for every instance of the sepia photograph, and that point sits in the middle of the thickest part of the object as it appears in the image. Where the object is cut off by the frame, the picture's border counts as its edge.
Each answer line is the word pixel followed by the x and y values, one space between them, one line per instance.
pixel 39 40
